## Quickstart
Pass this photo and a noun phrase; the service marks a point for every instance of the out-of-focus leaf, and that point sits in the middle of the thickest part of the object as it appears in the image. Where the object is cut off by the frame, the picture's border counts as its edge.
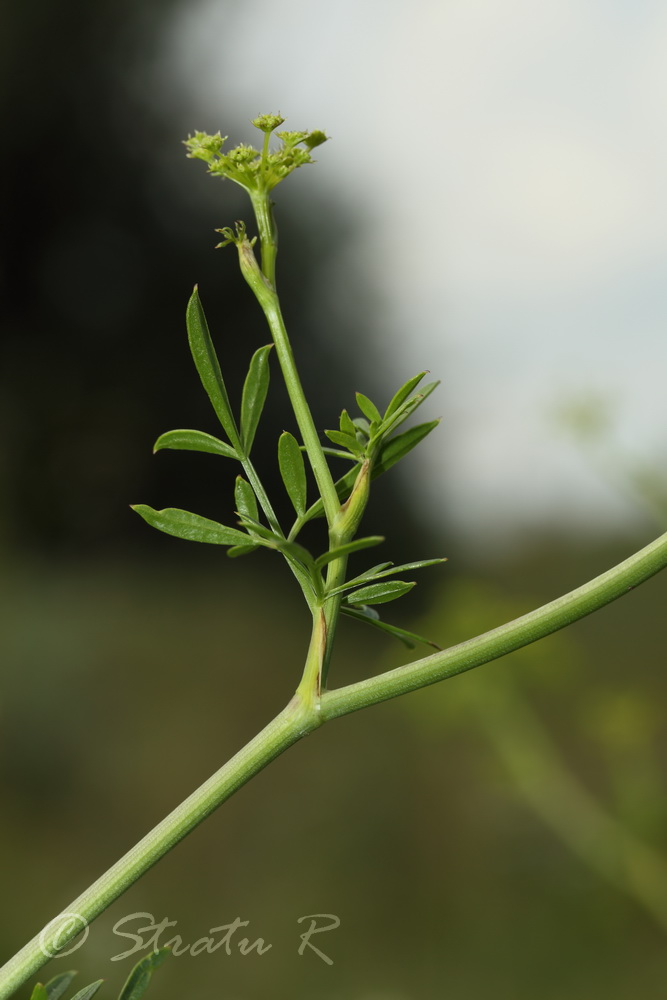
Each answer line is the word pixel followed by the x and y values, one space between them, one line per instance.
pixel 380 593
pixel 246 501
pixel 241 550
pixel 138 980
pixel 368 408
pixel 188 440
pixel 344 550
pixel 88 991
pixel 293 471
pixel 39 992
pixel 57 986
pixel 192 527
pixel 361 424
pixel 208 366
pixel 255 389
pixel 409 639
pixel 397 447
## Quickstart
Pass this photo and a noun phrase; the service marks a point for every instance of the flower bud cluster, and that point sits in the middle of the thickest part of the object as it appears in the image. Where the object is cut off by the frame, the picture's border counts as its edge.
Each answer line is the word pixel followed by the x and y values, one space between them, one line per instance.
pixel 255 170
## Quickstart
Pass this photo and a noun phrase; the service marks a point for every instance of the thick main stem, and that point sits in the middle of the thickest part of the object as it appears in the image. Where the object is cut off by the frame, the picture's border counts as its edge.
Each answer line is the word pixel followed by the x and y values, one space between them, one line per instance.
pixel 295 721
pixel 491 645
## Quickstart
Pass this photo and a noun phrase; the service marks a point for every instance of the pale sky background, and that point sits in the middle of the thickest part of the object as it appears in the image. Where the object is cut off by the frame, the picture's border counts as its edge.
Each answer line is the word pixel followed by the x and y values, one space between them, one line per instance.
pixel 524 263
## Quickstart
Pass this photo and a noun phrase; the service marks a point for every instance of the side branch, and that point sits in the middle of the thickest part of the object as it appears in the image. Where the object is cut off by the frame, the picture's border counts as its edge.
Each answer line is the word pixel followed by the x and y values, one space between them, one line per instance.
pixel 535 625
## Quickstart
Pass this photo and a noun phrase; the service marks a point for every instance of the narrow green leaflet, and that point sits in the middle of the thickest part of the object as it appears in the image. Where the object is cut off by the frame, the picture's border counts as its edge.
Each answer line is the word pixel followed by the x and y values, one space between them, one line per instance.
pixel 409 639
pixel 348 441
pixel 380 593
pixel 346 425
pixel 403 393
pixel 138 980
pixel 406 408
pixel 382 570
pixel 187 440
pixel 255 389
pixel 246 501
pixel 293 471
pixel 193 527
pixel 344 550
pixel 208 366
pixel 57 986
pixel 39 992
pixel 397 447
pixel 88 991
pixel 368 408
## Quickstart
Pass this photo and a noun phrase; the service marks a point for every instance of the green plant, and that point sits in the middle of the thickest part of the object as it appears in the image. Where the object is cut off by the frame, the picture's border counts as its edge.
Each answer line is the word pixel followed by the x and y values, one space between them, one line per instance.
pixel 135 986
pixel 371 443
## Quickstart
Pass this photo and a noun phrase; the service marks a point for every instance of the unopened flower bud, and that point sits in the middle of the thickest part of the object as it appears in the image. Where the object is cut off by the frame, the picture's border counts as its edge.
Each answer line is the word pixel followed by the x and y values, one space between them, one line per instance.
pixel 267 123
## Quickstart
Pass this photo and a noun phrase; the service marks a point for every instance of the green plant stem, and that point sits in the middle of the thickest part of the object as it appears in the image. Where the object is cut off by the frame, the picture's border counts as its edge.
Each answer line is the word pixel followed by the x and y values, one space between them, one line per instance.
pixel 261 495
pixel 335 578
pixel 304 418
pixel 268 299
pixel 268 233
pixel 295 721
pixel 491 645
pixel 302 716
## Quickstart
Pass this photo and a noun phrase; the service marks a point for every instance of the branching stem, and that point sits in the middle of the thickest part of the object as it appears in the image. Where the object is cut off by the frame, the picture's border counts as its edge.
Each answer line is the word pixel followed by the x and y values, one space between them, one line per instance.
pixel 302 716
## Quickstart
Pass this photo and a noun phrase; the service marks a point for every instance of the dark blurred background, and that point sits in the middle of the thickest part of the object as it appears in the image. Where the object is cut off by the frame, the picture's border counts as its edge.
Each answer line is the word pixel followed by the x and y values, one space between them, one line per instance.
pixel 504 834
